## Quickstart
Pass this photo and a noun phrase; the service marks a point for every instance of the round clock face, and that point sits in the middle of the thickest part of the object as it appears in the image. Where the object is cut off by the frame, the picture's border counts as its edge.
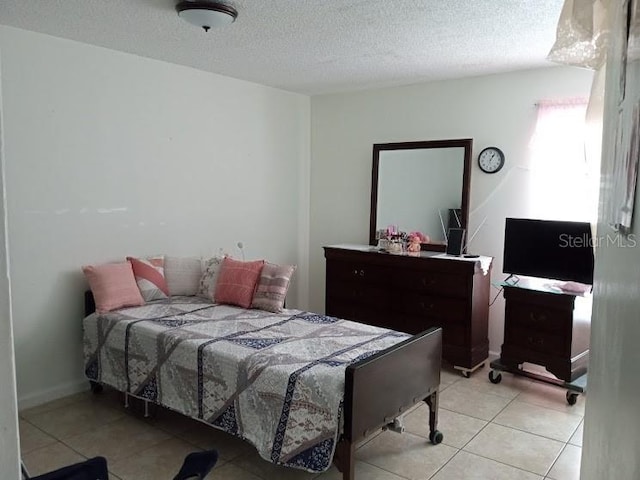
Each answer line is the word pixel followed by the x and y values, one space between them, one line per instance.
pixel 491 160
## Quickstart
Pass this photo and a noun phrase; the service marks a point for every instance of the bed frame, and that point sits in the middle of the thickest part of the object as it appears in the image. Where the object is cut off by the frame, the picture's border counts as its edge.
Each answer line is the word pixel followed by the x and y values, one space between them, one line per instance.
pixel 379 389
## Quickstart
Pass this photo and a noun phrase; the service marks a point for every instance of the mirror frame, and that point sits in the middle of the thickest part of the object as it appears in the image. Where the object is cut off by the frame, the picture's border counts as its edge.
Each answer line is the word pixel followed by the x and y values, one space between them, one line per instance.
pixel 466 143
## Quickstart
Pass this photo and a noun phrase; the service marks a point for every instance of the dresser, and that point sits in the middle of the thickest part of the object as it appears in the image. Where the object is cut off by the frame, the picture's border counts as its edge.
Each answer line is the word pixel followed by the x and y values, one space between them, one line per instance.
pixel 547 328
pixel 413 292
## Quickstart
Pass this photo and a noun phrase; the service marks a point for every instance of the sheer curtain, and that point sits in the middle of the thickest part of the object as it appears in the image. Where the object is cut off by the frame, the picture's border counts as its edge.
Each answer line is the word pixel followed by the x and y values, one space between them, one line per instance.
pixel 564 186
pixel 586 37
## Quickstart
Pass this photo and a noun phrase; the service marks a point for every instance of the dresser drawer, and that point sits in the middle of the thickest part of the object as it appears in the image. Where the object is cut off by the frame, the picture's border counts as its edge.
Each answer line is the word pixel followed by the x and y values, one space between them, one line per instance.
pixel 360 272
pixel 544 342
pixel 364 314
pixel 410 294
pixel 440 308
pixel 358 293
pixel 441 283
pixel 537 317
pixel 452 333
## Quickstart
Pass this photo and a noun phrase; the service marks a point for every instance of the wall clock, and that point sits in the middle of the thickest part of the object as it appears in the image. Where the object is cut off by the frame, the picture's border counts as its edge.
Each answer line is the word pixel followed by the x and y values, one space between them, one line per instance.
pixel 491 160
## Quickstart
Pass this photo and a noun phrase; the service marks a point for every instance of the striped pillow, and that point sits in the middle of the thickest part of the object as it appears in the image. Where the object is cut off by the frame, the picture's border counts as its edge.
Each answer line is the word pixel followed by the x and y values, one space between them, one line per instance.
pixel 113 286
pixel 149 275
pixel 237 282
pixel 272 287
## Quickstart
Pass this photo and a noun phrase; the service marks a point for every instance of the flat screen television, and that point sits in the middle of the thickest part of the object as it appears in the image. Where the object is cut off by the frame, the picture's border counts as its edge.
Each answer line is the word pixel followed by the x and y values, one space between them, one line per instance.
pixel 549 249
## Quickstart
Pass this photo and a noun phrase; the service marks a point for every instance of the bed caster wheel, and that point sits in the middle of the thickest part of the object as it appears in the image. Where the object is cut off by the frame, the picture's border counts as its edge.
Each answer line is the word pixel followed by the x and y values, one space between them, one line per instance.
pixel 436 437
pixel 96 387
pixel 495 377
pixel 572 398
pixel 466 374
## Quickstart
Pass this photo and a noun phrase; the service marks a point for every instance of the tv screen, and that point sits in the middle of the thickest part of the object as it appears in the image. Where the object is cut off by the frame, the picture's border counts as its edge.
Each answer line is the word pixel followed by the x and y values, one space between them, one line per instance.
pixel 549 249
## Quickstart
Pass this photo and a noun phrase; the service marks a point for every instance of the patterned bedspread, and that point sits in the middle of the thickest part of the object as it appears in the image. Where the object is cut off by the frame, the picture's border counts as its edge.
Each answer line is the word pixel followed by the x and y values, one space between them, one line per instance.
pixel 275 380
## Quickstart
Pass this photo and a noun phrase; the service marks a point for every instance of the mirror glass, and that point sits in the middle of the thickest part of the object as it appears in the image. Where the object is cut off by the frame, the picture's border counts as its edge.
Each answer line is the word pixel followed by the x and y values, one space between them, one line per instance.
pixel 420 186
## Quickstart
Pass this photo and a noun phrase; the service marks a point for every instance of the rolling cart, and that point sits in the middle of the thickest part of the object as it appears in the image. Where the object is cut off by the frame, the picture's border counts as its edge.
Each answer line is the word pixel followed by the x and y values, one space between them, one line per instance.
pixel 548 327
pixel 574 388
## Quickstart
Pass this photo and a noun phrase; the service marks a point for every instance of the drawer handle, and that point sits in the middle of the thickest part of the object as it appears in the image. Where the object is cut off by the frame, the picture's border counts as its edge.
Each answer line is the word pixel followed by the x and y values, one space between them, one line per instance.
pixel 357 272
pixel 537 318
pixel 427 282
pixel 539 342
pixel 424 306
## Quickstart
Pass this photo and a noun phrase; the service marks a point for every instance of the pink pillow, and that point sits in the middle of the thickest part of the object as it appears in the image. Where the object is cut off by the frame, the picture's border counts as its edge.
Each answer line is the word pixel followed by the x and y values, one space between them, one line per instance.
pixel 113 286
pixel 237 282
pixel 149 273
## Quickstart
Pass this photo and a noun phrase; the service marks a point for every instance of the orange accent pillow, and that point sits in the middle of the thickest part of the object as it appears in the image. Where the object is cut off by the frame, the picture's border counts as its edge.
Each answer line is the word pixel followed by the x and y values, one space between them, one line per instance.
pixel 237 281
pixel 113 286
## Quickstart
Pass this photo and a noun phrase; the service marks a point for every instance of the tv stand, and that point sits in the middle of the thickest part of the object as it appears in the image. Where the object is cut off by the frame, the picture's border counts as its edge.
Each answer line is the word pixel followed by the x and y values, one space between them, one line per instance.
pixel 546 326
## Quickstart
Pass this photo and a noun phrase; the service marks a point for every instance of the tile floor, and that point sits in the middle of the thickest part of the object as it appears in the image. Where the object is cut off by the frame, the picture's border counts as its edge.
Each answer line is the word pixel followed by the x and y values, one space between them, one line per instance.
pixel 517 430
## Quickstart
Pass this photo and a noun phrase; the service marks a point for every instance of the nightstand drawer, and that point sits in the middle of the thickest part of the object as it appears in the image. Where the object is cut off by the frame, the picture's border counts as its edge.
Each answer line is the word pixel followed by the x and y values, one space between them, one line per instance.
pixel 537 317
pixel 537 341
pixel 441 283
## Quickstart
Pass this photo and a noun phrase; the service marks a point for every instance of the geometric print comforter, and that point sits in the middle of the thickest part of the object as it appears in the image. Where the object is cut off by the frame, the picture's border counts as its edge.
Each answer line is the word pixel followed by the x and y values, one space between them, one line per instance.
pixel 275 380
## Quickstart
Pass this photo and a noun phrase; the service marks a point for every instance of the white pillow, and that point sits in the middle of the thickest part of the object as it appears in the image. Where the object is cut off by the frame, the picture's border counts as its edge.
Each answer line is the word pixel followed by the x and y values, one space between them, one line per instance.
pixel 183 275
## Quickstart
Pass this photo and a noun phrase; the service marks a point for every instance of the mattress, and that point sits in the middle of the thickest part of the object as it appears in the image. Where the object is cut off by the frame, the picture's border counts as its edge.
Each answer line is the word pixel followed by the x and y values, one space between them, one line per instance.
pixel 275 380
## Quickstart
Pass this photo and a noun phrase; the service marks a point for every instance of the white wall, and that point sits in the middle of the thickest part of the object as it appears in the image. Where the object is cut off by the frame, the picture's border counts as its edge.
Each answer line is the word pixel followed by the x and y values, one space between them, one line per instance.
pixel 493 110
pixel 109 154
pixel 9 463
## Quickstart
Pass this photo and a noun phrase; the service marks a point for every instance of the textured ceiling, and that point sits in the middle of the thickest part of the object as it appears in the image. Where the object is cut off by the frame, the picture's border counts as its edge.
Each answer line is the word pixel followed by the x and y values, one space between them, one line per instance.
pixel 314 46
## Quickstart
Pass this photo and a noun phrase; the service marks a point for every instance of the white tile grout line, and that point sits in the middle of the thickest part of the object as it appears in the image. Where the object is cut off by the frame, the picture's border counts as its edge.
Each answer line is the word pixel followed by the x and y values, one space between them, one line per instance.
pixel 373 436
pixel 461 448
pixel 492 422
pixel 566 445
pixel 555 460
pixel 64 441
pixel 57 440
pixel 43 431
pixel 474 436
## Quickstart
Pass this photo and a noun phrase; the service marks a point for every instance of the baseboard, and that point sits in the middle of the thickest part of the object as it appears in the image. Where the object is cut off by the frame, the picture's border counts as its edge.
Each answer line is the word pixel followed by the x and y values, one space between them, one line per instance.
pixel 59 391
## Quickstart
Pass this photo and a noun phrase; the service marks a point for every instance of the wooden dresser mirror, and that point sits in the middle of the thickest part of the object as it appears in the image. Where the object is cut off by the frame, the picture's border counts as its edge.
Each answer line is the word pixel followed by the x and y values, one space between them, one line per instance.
pixel 421 186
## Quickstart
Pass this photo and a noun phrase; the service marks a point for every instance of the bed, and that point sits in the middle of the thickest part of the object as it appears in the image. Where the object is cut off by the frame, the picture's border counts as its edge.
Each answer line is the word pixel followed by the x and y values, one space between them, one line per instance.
pixel 302 388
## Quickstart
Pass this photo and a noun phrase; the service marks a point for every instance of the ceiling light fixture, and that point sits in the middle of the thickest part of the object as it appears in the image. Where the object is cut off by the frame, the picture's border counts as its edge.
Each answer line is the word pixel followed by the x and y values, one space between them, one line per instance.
pixel 206 15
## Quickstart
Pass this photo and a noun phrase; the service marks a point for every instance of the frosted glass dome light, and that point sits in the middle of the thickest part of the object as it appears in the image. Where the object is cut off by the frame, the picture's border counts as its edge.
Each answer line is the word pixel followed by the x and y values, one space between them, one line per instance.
pixel 207 15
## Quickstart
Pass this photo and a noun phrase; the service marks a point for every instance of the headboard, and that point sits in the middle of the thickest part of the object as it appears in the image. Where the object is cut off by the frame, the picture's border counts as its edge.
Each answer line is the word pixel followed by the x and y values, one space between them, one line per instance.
pixel 89 303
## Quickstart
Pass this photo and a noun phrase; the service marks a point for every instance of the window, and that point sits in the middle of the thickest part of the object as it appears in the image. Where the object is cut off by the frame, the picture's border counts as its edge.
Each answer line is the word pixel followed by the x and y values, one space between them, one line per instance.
pixel 564 185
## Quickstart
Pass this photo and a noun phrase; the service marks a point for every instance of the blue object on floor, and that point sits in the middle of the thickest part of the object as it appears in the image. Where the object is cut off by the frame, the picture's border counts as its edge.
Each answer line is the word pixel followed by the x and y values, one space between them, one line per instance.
pixel 92 469
pixel 196 466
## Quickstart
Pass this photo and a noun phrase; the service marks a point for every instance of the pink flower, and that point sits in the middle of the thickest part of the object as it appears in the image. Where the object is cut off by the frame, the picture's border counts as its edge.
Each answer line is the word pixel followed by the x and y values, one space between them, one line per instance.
pixel 420 236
